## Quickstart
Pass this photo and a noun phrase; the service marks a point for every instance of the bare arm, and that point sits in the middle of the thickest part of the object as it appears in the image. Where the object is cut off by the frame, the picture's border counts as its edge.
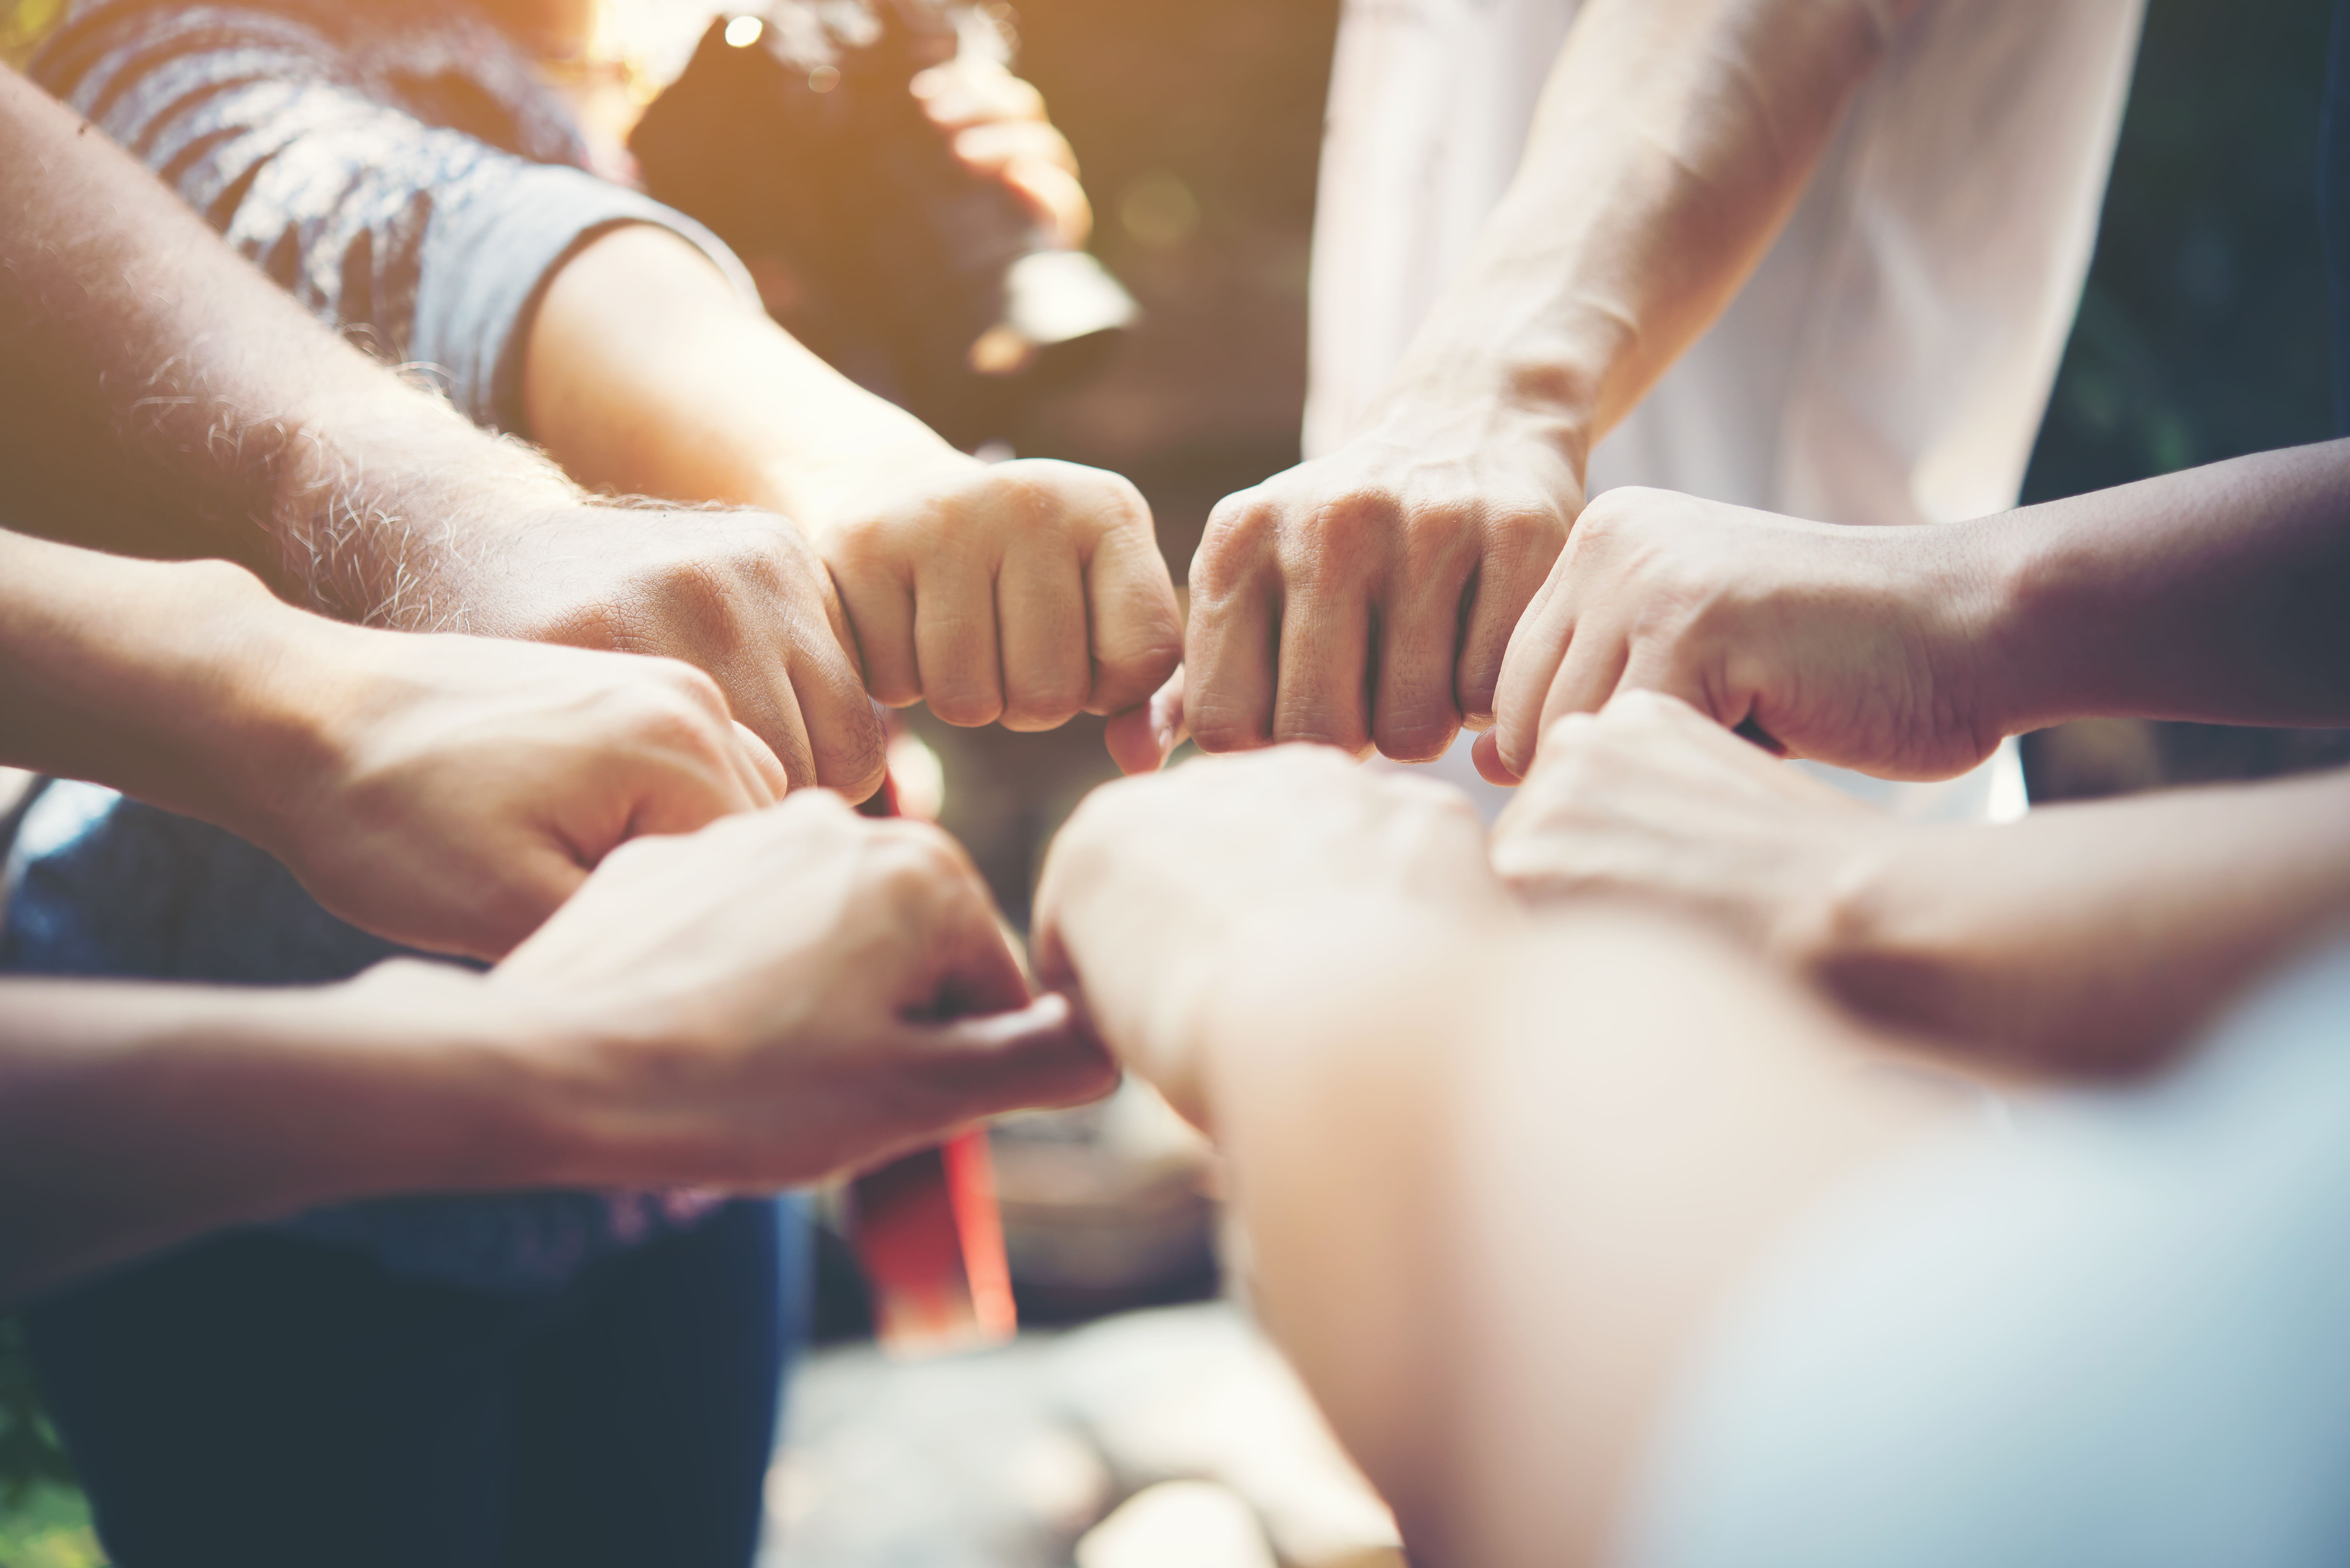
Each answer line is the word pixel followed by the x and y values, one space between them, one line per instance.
pixel 445 792
pixel 2217 594
pixel 1671 143
pixel 2087 937
pixel 1496 1172
pixel 166 399
pixel 785 994
pixel 1024 592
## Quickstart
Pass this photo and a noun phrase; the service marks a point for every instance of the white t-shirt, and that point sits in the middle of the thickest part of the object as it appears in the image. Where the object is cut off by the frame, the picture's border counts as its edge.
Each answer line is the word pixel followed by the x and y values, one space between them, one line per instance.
pixel 1891 358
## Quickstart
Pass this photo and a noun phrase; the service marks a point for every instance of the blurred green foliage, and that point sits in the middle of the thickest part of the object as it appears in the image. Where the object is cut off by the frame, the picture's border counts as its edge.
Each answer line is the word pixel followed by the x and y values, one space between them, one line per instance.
pixel 43 1521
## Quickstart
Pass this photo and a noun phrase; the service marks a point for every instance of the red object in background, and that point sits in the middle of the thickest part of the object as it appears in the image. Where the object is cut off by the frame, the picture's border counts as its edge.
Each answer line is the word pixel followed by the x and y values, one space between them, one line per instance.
pixel 929 1237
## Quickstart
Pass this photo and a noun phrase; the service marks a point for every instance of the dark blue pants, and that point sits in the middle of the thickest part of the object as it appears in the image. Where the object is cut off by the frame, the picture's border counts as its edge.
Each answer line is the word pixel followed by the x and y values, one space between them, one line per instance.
pixel 261 1400
pixel 439 1383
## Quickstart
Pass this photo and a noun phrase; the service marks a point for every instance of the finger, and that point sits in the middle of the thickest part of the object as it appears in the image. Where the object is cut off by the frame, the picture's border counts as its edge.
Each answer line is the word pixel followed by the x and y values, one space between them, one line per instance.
pixel 880 607
pixel 992 147
pixel 1536 651
pixel 845 744
pixel 1231 649
pixel 777 722
pixel 1141 739
pixel 1040 606
pixel 1136 626
pixel 1589 674
pixel 1487 754
pixel 967 953
pixel 1512 583
pixel 1413 716
pixel 1056 198
pixel 955 647
pixel 531 887
pixel 767 782
pixel 1321 694
pixel 967 91
pixel 1042 1054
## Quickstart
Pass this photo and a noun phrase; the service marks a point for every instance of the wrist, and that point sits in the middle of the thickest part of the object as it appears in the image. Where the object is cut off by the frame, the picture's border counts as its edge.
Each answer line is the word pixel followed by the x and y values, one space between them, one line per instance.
pixel 1549 445
pixel 491 1083
pixel 824 495
pixel 1856 932
pixel 388 496
pixel 2025 599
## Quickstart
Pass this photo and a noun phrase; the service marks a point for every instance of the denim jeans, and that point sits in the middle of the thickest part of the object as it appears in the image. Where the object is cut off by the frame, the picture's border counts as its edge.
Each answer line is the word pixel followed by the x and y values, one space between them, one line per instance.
pixel 443 1380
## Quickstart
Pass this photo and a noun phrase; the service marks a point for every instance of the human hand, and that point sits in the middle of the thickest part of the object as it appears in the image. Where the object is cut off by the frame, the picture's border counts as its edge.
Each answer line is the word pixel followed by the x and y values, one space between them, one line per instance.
pixel 740 594
pixel 1149 888
pixel 789 993
pixel 1020 592
pixel 1650 799
pixel 997 125
pixel 1866 647
pixel 448 793
pixel 1366 598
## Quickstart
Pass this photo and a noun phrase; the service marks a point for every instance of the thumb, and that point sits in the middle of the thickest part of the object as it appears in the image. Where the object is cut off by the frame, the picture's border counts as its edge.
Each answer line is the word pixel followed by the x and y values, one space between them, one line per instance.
pixel 1487 754
pixel 1141 739
pixel 1040 1055
pixel 529 890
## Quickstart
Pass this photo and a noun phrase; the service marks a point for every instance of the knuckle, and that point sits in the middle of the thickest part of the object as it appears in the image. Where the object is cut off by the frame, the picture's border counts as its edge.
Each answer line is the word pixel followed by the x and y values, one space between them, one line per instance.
pixel 1355 526
pixel 1238 541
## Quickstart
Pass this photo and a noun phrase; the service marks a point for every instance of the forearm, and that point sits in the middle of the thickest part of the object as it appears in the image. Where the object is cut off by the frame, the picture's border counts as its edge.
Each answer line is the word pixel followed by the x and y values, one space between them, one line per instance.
pixel 133 1115
pixel 645 373
pixel 2084 938
pixel 185 684
pixel 2220 593
pixel 169 400
pixel 1496 1181
pixel 1671 143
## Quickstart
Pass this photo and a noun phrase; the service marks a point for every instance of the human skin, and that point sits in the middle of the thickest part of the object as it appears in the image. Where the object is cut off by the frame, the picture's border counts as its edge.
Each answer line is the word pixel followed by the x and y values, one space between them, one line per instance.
pixel 2094 938
pixel 1021 593
pixel 444 791
pixel 1672 141
pixel 165 398
pixel 1498 1168
pixel 2216 594
pixel 783 996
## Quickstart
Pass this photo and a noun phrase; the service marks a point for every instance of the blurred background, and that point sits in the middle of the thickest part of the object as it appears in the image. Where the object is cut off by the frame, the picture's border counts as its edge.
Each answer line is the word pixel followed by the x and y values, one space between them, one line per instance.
pixel 1138 1416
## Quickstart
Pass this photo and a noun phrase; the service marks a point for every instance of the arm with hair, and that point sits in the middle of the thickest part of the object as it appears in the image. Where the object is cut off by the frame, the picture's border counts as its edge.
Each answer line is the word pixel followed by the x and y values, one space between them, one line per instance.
pixel 167 400
pixel 628 343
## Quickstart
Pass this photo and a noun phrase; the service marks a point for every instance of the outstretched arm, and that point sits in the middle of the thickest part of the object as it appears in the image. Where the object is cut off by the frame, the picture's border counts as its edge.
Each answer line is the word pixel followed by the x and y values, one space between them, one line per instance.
pixel 785 994
pixel 1497 1173
pixel 166 400
pixel 2217 594
pixel 444 791
pixel 1671 143
pixel 2092 937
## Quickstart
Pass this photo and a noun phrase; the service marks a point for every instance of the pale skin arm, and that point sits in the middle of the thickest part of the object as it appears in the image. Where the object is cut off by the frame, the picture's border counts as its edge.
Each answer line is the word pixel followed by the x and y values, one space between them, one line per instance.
pixel 165 398
pixel 1456 1183
pixel 2215 594
pixel 1021 593
pixel 1671 143
pixel 2090 937
pixel 444 791
pixel 783 995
